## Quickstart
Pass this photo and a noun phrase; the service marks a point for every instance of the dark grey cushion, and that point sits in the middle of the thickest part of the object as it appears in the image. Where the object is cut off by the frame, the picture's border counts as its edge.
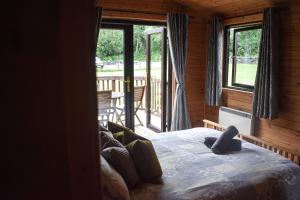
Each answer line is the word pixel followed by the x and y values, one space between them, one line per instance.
pixel 121 160
pixel 145 160
pixel 107 140
pixel 235 145
pixel 222 143
pixel 102 128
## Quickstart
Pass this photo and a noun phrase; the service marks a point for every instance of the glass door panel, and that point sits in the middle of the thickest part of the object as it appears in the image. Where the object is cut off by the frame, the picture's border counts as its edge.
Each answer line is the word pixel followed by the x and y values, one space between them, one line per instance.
pixel 113 75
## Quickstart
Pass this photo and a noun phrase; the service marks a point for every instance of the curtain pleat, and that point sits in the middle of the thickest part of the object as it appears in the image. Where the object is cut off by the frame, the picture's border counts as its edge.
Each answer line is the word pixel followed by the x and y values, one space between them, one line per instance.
pixel 98 22
pixel 265 99
pixel 178 39
pixel 214 67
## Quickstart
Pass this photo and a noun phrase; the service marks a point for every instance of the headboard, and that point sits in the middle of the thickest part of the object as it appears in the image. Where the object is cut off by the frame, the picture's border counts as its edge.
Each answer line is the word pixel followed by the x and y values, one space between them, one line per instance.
pixel 287 153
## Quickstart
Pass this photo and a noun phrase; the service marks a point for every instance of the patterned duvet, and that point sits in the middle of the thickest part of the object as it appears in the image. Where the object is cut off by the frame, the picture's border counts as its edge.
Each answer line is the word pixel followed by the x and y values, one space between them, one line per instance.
pixel 192 171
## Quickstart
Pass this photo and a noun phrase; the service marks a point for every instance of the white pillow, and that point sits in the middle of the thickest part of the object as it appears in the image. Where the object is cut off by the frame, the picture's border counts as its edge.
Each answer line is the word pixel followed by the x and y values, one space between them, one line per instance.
pixel 113 185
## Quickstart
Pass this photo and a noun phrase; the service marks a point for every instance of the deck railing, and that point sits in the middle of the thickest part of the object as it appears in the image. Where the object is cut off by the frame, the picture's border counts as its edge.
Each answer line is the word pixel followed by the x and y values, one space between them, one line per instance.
pixel 116 84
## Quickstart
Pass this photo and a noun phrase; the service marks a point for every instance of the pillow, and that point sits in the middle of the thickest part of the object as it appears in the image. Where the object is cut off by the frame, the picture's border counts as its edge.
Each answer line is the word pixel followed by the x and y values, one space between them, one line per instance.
pixel 113 185
pixel 222 143
pixel 119 136
pixel 130 136
pixel 102 128
pixel 145 159
pixel 121 160
pixel 107 140
pixel 234 145
pixel 114 128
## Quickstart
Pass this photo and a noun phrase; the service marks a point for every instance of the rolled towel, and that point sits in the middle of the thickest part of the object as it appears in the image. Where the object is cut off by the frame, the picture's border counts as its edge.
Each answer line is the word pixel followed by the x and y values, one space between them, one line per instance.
pixel 222 143
pixel 235 144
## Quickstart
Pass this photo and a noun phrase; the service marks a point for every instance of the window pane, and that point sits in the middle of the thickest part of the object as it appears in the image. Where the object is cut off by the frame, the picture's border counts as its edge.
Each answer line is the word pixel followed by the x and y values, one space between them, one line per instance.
pixel 247 50
pixel 230 54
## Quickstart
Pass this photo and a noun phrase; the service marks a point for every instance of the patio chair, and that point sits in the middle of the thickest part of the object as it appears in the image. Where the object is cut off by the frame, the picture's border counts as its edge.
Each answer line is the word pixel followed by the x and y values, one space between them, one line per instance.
pixel 105 108
pixel 138 100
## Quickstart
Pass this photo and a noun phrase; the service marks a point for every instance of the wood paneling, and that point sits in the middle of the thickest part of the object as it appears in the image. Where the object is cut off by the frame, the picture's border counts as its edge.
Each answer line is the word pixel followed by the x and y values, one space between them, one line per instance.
pixel 243 19
pixel 196 65
pixel 240 100
pixel 153 6
pixel 112 14
pixel 228 7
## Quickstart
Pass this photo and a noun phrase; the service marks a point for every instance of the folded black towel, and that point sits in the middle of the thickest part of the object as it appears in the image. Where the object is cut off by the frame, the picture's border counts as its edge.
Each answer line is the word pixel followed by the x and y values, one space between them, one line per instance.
pixel 222 143
pixel 234 145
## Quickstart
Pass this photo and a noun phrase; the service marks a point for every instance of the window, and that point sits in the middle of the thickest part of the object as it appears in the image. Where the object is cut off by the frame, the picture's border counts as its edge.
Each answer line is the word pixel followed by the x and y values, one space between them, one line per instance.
pixel 241 56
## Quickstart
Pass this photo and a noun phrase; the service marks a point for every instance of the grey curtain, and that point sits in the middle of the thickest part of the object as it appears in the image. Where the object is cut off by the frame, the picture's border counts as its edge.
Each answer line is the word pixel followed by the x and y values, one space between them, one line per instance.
pixel 214 68
pixel 98 22
pixel 178 39
pixel 265 100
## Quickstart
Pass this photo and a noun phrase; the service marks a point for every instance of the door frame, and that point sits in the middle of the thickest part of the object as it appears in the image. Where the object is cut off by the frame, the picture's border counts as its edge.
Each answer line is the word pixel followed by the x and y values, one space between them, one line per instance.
pixel 149 33
pixel 129 63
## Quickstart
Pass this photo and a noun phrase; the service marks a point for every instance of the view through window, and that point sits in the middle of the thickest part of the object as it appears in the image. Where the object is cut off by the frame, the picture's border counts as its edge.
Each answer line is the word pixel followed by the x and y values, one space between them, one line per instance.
pixel 242 52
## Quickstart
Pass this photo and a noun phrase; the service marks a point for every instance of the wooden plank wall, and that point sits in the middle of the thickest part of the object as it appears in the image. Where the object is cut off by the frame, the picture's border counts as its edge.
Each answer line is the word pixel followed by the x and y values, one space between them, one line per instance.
pixel 196 66
pixel 286 129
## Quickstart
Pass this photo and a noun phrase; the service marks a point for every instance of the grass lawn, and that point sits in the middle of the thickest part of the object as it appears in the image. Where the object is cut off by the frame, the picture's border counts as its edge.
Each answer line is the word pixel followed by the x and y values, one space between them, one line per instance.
pixel 245 74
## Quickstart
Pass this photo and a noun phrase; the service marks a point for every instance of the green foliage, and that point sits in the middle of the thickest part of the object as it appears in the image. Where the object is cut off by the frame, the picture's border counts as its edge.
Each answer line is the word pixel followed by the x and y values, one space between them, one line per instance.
pixel 110 44
pixel 247 43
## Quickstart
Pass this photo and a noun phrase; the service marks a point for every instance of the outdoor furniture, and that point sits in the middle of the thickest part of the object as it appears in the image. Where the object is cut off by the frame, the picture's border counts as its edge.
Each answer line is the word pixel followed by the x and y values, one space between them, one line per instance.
pixel 105 108
pixel 138 100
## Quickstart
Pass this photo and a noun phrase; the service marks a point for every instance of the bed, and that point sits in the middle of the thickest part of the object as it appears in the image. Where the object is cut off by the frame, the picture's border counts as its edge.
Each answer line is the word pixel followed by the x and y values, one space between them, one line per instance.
pixel 191 171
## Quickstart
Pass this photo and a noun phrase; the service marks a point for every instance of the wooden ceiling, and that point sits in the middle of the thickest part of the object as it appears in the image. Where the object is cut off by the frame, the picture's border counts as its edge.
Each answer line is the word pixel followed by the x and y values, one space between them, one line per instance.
pixel 227 8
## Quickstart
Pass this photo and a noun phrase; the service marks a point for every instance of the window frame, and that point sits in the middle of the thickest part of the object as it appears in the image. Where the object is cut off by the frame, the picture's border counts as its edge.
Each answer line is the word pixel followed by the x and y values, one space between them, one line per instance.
pixel 238 28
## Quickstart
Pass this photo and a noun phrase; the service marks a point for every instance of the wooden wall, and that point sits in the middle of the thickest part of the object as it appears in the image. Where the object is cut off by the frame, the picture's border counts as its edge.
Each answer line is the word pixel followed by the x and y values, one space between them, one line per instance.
pixel 196 69
pixel 286 129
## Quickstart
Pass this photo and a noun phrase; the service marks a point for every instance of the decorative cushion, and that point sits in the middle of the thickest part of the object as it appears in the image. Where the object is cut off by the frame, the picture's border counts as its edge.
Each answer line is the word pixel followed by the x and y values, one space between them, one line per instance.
pixel 114 128
pixel 107 140
pixel 119 136
pixel 235 144
pixel 130 136
pixel 102 128
pixel 222 143
pixel 145 159
pixel 113 185
pixel 121 160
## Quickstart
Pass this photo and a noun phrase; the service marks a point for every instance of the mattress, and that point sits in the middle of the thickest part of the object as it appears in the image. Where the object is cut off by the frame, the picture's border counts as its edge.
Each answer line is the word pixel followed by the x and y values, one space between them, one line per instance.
pixel 191 171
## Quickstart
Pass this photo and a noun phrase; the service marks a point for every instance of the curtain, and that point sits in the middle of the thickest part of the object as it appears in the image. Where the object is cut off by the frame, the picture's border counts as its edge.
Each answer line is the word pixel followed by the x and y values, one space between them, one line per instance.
pixel 98 22
pixel 178 40
pixel 265 100
pixel 214 68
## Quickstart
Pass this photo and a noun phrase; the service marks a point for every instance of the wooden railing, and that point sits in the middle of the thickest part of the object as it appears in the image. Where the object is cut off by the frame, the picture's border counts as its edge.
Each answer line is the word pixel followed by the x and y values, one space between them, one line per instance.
pixel 116 84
